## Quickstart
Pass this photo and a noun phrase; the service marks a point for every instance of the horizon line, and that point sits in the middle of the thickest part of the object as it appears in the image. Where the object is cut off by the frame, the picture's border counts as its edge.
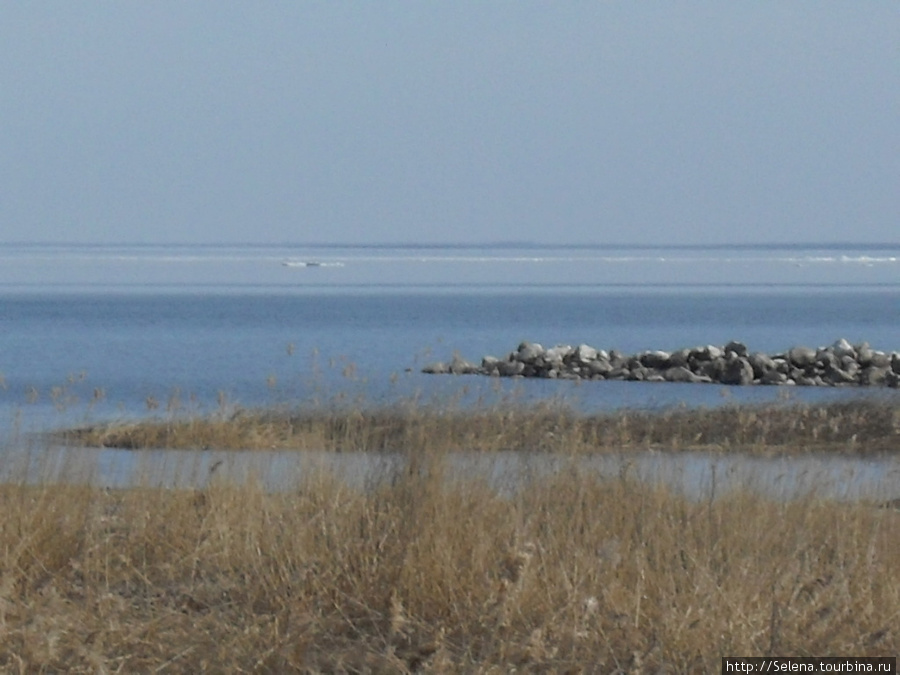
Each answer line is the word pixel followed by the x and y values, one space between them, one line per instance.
pixel 499 243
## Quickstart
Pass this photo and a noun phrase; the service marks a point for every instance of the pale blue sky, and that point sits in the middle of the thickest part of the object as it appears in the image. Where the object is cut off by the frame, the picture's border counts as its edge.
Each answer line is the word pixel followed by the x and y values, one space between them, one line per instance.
pixel 677 122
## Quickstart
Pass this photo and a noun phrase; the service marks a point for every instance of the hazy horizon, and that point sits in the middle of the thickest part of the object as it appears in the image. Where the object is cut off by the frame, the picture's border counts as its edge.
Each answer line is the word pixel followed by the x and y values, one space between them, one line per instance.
pixel 588 246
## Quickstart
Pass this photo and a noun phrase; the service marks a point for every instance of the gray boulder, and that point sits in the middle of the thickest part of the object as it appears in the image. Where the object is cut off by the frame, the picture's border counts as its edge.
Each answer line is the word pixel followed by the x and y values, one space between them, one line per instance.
pixel 864 354
pixel 489 365
pixel 529 352
pixel 617 358
pixel 736 371
pixel 761 364
pixel 584 354
pixel 880 360
pixel 679 358
pixel 711 369
pixel 657 360
pixel 639 374
pixel 735 347
pixel 510 368
pixel 839 364
pixel 437 368
pixel 707 353
pixel 773 377
pixel 843 348
pixel 599 367
pixel 683 374
pixel 827 360
pixel 459 366
pixel 838 376
pixel 558 354
pixel 895 362
pixel 874 376
pixel 850 365
pixel 802 357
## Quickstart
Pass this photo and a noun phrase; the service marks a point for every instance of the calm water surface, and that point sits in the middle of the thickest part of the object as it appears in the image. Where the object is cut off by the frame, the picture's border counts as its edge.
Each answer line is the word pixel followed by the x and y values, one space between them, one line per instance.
pixel 118 332
pixel 102 355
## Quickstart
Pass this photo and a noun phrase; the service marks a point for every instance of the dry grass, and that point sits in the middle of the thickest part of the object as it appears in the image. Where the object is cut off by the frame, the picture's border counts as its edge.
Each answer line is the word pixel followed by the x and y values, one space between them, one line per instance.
pixel 572 574
pixel 862 426
pixel 428 573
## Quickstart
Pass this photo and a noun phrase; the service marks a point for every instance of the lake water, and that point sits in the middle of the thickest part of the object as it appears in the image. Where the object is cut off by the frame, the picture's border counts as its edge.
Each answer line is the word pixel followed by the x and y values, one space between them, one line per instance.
pixel 697 475
pixel 100 332
pixel 93 333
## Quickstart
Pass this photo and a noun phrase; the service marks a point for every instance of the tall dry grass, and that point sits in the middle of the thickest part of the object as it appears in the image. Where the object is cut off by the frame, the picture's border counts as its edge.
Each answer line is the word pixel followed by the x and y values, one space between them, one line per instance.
pixel 856 426
pixel 428 574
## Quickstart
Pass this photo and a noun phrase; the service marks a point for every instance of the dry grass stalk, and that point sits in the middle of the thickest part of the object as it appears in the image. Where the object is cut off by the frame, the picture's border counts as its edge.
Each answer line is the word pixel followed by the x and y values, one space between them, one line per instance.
pixel 429 574
pixel 858 426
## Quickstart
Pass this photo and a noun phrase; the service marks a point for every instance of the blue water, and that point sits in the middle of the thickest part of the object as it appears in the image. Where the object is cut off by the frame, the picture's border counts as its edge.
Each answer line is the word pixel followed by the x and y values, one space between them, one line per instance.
pixel 99 332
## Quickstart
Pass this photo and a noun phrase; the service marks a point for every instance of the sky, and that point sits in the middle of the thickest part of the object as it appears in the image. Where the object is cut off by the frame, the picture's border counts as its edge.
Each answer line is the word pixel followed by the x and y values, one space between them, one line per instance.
pixel 355 122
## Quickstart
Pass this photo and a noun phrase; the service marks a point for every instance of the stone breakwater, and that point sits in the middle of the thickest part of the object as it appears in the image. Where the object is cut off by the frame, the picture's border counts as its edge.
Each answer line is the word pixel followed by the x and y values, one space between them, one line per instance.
pixel 841 364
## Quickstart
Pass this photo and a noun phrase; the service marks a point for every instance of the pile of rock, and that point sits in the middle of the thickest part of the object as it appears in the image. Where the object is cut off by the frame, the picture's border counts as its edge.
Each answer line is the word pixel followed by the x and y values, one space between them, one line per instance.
pixel 840 364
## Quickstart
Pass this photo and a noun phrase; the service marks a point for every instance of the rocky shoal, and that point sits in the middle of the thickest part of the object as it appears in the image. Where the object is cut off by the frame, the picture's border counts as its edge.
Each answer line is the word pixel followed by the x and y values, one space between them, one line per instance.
pixel 841 364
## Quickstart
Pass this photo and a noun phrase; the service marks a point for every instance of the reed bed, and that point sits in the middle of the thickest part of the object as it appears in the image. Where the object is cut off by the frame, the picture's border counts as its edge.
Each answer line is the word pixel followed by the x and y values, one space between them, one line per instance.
pixel 856 426
pixel 429 574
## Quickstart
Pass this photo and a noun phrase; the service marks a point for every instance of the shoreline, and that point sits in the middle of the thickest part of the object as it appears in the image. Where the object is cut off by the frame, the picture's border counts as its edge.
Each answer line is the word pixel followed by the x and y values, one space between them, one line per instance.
pixel 863 427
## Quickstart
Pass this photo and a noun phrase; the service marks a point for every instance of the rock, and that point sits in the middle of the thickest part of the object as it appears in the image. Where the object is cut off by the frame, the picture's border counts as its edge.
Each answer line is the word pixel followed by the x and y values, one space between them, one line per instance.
pixel 711 369
pixel 843 348
pixel 529 352
pixel 510 368
pixel 657 360
pixel 599 367
pixel 558 354
pixel 707 353
pixel 826 359
pixel 735 347
pixel 837 376
pixel 682 374
pixel 850 365
pixel 585 354
pixel 639 374
pixel 864 354
pixel 617 358
pixel 679 358
pixel 459 366
pixel 761 364
pixel 773 377
pixel 807 381
pixel 802 356
pixel 489 365
pixel 736 371
pixel 837 365
pixel 873 376
pixel 880 360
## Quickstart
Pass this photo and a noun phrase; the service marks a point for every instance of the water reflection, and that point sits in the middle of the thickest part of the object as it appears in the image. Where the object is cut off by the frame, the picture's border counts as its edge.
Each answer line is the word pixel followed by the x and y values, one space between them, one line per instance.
pixel 695 474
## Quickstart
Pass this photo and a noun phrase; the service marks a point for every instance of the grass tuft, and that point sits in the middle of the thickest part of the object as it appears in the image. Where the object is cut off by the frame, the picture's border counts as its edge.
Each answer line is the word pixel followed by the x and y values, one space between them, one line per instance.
pixel 429 574
pixel 862 426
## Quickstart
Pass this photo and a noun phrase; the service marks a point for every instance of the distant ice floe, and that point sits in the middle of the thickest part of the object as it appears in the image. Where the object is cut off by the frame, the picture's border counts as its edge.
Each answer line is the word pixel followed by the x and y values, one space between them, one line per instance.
pixel 863 260
pixel 310 263
pixel 798 261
